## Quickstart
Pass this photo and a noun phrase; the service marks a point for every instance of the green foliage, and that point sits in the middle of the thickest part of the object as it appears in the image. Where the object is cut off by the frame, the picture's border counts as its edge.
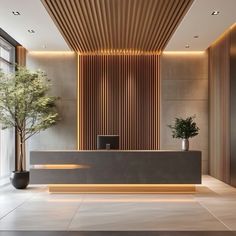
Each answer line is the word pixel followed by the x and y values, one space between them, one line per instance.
pixel 184 128
pixel 24 103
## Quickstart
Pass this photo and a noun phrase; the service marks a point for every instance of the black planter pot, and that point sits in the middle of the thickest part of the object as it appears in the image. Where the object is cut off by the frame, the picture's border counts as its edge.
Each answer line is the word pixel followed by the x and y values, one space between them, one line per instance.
pixel 20 179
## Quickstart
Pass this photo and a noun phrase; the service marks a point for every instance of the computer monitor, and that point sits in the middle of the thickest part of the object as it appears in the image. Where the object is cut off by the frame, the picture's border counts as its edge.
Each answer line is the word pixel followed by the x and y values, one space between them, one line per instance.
pixel 108 142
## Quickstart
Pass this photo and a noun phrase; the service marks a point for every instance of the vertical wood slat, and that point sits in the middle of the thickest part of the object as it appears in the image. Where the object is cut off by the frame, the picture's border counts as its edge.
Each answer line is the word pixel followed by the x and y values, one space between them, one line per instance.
pixel 21 56
pixel 219 108
pixel 118 95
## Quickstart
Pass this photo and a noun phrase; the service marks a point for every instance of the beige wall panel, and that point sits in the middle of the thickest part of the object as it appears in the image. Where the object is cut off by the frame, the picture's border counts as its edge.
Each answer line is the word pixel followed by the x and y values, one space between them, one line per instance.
pixel 61 69
pixel 185 89
pixel 184 92
pixel 184 66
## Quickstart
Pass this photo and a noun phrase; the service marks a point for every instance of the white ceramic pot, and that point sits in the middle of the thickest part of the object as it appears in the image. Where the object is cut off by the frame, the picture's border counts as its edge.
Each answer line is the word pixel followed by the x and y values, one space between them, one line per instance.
pixel 185 144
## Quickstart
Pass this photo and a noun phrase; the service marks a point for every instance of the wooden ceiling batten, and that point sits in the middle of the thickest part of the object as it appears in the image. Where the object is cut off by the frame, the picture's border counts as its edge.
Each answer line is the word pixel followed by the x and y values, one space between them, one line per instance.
pixel 63 28
pixel 98 25
pixel 178 17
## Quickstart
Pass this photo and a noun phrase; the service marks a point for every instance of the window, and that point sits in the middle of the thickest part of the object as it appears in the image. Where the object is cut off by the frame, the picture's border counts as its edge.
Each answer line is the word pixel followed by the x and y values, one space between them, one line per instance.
pixel 7 137
pixel 7 56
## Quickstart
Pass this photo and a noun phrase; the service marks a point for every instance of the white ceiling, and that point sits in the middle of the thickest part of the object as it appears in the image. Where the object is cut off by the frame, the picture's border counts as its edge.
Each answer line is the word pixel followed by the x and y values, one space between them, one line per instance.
pixel 33 16
pixel 198 21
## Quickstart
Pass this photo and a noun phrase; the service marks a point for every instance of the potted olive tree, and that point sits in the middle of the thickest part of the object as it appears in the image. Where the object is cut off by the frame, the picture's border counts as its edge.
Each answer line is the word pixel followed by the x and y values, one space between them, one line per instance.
pixel 184 129
pixel 25 105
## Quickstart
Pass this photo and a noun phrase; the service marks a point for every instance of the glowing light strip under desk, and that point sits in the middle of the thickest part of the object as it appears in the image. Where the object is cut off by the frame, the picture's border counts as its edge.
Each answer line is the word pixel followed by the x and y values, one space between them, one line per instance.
pixel 60 166
pixel 121 188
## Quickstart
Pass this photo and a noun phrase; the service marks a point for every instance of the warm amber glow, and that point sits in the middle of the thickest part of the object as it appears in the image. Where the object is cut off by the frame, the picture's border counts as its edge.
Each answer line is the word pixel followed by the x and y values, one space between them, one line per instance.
pixel 120 52
pixel 138 199
pixel 61 166
pixel 78 103
pixel 182 52
pixel 223 35
pixel 232 26
pixel 51 52
pixel 122 185
pixel 158 106
pixel 121 188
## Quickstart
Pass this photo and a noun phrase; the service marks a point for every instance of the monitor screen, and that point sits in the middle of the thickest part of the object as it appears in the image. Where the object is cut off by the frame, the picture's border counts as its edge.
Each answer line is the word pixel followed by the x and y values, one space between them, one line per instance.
pixel 108 142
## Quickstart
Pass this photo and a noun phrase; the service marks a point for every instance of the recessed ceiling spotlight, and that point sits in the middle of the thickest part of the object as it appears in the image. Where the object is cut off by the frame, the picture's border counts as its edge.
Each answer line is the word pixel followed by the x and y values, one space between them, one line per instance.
pixel 15 13
pixel 196 36
pixel 31 31
pixel 215 13
pixel 187 46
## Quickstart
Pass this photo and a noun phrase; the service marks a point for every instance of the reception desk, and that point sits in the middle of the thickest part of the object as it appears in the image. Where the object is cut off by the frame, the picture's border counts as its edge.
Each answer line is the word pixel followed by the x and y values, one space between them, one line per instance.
pixel 116 170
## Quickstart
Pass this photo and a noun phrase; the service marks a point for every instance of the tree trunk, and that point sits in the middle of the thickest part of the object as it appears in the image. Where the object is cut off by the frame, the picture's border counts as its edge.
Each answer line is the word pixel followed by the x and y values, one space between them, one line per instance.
pixel 17 151
pixel 21 152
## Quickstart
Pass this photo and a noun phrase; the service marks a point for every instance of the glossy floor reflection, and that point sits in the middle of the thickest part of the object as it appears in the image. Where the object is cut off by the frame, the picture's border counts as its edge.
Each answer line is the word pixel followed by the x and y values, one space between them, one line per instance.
pixel 212 208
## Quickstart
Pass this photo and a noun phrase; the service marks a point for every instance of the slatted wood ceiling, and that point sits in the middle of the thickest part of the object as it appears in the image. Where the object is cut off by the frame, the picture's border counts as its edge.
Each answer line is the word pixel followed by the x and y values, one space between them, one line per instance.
pixel 118 94
pixel 96 25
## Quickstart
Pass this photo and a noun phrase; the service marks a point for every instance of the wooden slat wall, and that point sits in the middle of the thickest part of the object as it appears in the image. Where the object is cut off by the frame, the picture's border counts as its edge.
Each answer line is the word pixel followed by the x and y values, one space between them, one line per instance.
pixel 119 95
pixel 233 106
pixel 219 108
pixel 95 25
pixel 20 55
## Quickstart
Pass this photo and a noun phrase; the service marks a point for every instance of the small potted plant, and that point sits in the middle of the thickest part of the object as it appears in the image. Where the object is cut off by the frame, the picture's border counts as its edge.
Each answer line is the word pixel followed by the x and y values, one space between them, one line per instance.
pixel 25 105
pixel 184 129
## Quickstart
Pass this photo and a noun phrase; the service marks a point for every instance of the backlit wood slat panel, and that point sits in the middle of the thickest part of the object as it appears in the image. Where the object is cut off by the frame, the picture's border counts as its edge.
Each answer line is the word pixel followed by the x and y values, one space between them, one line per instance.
pixel 118 95
pixel 96 25
pixel 20 56
pixel 219 108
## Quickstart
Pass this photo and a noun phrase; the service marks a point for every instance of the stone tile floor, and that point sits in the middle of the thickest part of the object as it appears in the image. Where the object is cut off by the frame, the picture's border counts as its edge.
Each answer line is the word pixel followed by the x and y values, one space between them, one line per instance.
pixel 117 233
pixel 211 208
